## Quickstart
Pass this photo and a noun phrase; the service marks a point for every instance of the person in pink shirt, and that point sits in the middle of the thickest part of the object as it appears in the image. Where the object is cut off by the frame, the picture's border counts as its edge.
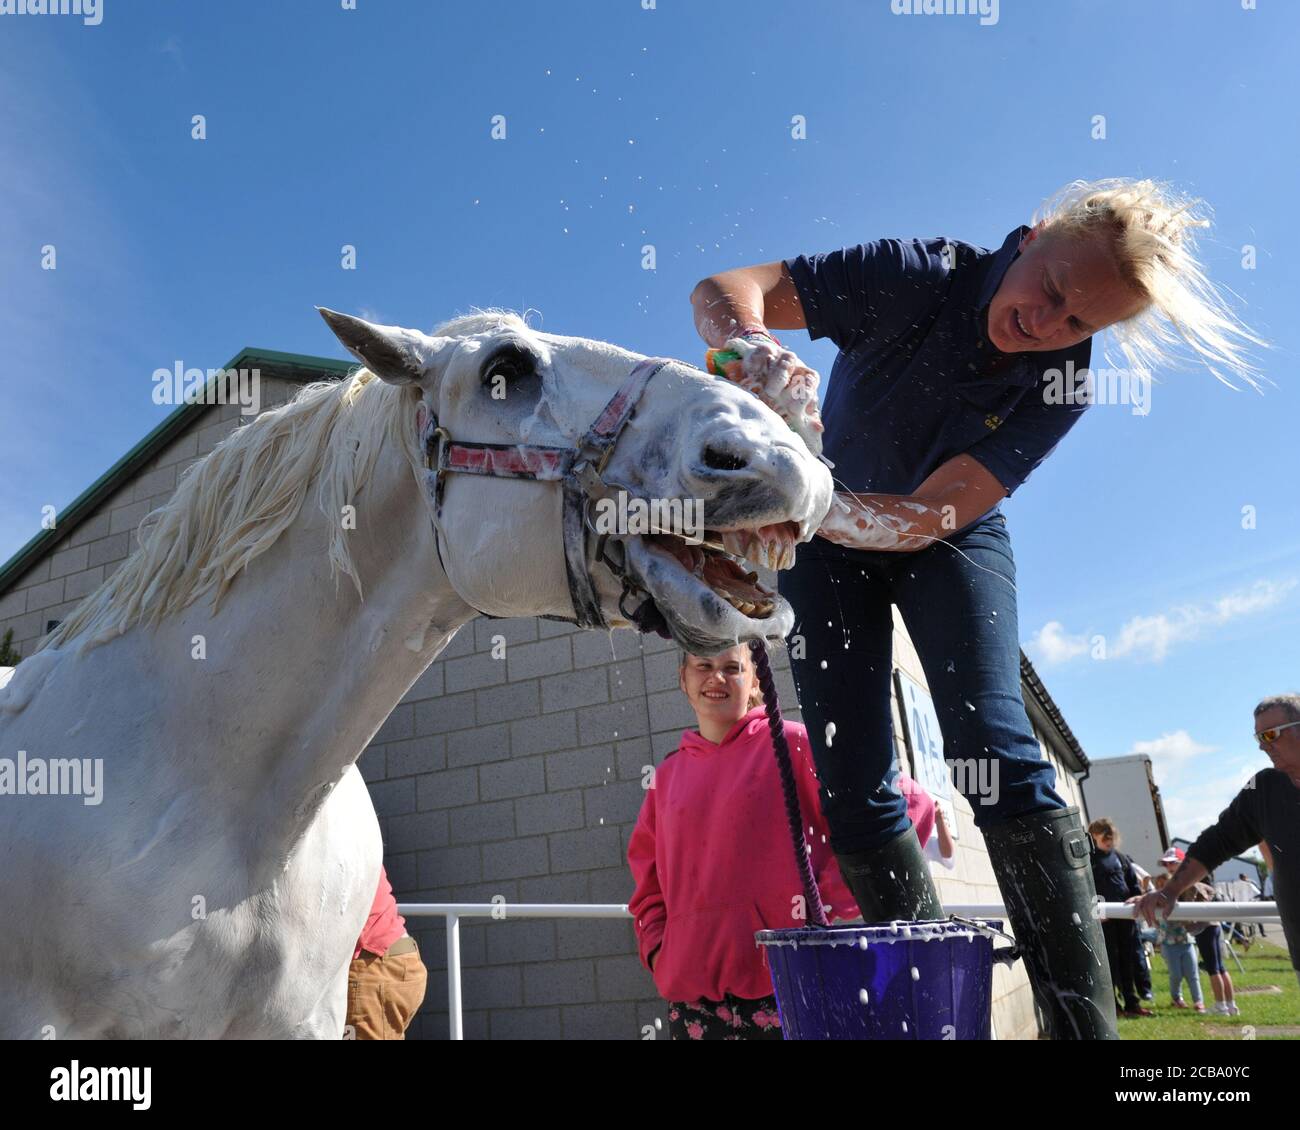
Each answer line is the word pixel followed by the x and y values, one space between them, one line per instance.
pixel 386 980
pixel 712 862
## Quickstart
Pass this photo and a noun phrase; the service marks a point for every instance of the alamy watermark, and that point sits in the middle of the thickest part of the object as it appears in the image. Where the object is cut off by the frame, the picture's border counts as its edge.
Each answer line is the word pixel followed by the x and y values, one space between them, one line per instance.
pixel 975 777
pixel 90 11
pixel 627 514
pixel 59 776
pixel 1098 386
pixel 987 10
pixel 179 385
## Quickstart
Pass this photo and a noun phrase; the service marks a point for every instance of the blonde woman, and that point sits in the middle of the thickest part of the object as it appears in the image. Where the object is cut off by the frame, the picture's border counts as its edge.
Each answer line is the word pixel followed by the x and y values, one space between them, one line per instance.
pixel 959 370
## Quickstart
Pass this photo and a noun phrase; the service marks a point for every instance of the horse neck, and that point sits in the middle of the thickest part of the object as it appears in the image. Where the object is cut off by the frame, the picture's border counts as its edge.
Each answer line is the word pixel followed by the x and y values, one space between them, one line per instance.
pixel 299 671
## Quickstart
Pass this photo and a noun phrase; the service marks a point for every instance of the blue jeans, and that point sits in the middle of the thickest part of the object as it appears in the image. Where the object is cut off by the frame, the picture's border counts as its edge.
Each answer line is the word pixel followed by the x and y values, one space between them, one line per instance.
pixel 1180 957
pixel 958 601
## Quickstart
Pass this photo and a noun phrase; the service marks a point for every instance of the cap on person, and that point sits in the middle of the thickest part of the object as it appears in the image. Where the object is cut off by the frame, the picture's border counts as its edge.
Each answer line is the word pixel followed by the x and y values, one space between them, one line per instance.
pixel 1173 855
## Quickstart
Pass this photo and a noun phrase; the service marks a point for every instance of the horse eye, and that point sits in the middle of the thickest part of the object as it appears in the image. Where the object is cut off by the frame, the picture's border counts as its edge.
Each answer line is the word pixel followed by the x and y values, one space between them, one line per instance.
pixel 510 362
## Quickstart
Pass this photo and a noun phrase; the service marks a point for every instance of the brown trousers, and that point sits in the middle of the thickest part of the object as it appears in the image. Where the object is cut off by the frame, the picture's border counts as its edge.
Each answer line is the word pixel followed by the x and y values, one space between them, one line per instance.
pixel 384 992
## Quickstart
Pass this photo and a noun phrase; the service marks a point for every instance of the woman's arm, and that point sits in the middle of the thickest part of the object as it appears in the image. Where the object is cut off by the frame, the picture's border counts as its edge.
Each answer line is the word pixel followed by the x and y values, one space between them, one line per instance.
pixel 733 310
pixel 956 493
pixel 748 297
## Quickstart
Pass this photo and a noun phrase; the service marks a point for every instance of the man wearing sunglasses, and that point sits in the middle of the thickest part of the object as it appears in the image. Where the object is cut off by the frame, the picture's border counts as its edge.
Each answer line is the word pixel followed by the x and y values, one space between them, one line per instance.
pixel 1267 810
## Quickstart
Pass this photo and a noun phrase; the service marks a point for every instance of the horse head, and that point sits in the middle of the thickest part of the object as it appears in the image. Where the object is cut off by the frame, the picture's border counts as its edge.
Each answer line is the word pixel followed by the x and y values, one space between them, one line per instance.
pixel 698 482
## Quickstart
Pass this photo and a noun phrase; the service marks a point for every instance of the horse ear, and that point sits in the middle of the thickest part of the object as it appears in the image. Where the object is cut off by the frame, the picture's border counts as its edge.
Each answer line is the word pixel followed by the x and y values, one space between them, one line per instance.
pixel 394 354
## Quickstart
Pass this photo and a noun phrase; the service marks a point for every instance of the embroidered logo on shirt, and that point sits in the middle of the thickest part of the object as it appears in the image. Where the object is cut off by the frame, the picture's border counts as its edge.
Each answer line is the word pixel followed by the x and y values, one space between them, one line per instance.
pixel 992 422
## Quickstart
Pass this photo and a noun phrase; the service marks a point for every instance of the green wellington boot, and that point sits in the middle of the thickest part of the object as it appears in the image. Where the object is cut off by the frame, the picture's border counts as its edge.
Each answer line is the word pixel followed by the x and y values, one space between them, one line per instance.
pixel 1043 868
pixel 892 883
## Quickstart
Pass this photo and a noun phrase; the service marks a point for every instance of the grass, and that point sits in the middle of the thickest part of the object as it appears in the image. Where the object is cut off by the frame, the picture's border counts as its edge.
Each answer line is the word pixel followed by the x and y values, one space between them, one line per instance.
pixel 1266 964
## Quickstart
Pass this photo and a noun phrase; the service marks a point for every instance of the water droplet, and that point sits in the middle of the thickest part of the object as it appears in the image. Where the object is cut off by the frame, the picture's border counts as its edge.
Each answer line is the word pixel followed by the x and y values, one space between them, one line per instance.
pixel 916 973
pixel 823 665
pixel 862 993
pixel 830 733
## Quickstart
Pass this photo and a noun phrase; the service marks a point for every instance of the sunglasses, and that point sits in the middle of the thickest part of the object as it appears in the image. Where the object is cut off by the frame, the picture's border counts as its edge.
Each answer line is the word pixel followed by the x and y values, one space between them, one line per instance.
pixel 1268 737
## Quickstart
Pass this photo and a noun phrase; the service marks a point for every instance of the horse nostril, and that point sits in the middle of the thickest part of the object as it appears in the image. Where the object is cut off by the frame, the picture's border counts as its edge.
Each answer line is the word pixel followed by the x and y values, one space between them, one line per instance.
pixel 718 460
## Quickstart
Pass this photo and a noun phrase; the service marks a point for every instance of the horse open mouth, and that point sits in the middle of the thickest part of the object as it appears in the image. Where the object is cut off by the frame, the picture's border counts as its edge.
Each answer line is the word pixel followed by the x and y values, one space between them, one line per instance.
pixel 708 593
pixel 721 562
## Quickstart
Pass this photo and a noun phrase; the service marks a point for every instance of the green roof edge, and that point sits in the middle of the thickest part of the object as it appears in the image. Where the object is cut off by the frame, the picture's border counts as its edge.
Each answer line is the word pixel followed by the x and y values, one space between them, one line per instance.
pixel 168 429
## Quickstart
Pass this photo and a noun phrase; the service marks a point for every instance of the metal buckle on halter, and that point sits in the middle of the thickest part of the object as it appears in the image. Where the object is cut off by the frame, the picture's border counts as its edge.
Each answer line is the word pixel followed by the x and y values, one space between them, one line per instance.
pixel 433 441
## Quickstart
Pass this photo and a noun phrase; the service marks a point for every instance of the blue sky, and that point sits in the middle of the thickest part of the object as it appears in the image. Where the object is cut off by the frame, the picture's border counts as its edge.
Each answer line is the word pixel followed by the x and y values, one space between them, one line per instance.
pixel 672 126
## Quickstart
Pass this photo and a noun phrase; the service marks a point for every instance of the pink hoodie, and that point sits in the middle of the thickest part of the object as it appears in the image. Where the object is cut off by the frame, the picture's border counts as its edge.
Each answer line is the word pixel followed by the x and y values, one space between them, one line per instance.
pixel 713 863
pixel 711 841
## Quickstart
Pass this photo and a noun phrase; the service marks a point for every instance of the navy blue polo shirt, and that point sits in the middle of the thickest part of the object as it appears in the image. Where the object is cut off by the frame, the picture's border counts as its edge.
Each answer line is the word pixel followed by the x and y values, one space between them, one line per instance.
pixel 917 380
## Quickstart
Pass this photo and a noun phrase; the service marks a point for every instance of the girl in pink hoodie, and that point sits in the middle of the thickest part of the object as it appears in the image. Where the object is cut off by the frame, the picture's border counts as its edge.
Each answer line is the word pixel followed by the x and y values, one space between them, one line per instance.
pixel 712 859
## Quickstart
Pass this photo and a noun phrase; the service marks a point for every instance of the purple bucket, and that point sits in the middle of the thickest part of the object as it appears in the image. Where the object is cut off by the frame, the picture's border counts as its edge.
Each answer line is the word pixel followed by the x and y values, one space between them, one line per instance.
pixel 897 981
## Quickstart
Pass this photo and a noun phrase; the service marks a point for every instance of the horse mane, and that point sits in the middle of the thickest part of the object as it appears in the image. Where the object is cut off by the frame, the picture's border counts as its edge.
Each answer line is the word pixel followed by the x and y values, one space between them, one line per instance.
pixel 233 504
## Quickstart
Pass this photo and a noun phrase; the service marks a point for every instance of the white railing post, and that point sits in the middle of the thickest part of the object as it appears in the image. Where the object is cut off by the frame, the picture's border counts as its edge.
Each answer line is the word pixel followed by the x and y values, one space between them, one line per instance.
pixel 453 977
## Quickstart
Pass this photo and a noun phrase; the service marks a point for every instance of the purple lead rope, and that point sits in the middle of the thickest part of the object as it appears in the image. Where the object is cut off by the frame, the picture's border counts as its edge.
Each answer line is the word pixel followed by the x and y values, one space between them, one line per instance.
pixel 803 860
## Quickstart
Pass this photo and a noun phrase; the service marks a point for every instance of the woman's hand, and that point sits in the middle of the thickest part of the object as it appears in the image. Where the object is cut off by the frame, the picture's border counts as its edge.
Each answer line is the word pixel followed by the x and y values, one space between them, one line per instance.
pixel 781 381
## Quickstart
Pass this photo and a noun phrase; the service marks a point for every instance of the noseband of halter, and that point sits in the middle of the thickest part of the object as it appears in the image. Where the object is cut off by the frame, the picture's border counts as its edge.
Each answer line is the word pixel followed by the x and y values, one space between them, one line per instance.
pixel 579 471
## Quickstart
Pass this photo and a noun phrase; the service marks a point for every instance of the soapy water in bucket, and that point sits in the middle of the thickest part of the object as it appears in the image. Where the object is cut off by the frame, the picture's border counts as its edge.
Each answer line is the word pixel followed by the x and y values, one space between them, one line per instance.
pixel 900 980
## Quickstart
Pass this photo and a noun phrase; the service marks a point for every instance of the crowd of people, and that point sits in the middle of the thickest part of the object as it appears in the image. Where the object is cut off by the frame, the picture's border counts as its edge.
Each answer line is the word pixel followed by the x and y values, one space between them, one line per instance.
pixel 706 880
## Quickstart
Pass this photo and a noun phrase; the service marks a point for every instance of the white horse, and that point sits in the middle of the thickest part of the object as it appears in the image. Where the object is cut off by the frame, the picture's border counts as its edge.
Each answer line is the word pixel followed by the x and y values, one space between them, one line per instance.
pixel 229 678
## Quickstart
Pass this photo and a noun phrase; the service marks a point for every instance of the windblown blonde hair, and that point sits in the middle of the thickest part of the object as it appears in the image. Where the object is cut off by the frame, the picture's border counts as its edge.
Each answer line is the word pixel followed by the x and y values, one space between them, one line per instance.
pixel 1152 229
pixel 231 506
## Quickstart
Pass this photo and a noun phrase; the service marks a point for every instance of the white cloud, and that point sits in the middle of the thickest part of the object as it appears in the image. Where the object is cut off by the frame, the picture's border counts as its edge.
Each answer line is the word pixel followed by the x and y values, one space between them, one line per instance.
pixel 1051 644
pixel 1194 788
pixel 1176 747
pixel 1152 637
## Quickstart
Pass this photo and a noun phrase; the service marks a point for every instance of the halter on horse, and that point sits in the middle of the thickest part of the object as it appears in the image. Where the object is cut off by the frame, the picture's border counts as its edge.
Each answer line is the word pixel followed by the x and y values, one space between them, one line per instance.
pixel 579 470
